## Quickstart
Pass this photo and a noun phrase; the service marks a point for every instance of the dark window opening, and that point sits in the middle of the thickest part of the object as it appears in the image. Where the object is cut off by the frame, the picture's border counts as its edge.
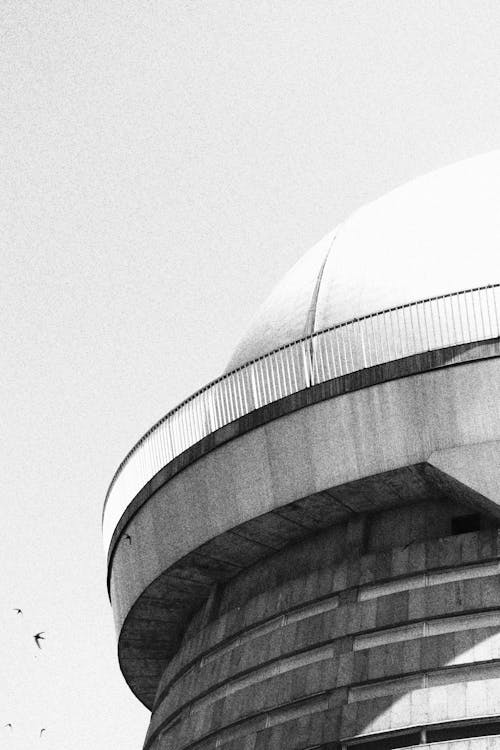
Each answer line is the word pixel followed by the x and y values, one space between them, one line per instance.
pixel 459 733
pixel 464 524
pixel 388 743
pixel 424 735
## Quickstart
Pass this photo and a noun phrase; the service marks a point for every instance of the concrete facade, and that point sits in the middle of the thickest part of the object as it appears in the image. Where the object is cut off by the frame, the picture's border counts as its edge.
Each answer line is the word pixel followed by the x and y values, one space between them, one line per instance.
pixel 322 572
pixel 344 636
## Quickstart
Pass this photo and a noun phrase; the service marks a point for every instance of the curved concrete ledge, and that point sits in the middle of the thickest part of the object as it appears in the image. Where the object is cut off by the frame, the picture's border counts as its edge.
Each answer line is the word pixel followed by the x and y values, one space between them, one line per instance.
pixel 315 394
pixel 389 335
pixel 336 458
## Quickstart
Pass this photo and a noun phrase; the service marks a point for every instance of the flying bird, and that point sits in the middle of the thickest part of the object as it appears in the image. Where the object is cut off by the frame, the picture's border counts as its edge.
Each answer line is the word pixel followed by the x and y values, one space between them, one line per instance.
pixel 39 637
pixel 8 725
pixel 42 731
pixel 19 611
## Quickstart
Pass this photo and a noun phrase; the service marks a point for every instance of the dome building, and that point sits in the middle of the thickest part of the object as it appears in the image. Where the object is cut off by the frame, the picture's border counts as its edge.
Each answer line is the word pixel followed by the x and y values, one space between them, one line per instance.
pixel 305 553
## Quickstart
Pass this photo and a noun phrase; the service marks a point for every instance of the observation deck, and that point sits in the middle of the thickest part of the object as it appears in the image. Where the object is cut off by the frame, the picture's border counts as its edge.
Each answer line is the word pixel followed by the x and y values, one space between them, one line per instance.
pixel 465 317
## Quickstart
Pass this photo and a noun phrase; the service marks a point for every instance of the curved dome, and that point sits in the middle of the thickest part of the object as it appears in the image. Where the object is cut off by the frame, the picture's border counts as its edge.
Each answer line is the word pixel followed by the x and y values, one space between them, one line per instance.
pixel 435 235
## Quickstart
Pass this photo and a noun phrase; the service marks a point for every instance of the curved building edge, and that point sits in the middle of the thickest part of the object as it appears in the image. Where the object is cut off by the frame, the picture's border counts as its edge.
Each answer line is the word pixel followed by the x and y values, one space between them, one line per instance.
pixel 306 552
pixel 390 335
pixel 216 529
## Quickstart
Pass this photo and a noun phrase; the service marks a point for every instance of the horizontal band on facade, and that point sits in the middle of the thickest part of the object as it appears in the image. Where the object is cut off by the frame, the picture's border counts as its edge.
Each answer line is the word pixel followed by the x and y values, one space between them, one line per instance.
pixel 329 700
pixel 427 629
pixel 413 365
pixel 433 578
pixel 365 638
pixel 390 335
pixel 423 738
pixel 487 670
pixel 485 620
pixel 372 689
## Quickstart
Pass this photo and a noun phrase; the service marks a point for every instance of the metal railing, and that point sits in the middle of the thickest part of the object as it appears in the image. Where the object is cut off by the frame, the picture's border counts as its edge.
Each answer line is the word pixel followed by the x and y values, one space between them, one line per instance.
pixel 417 327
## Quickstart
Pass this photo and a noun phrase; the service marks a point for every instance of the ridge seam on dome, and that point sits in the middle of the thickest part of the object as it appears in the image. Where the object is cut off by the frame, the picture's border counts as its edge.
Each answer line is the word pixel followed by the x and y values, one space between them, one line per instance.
pixel 311 316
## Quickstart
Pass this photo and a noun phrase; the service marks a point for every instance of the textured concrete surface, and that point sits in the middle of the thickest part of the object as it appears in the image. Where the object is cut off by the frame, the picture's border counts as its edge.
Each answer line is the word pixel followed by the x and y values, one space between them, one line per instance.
pixel 285 654
pixel 326 446
pixel 366 378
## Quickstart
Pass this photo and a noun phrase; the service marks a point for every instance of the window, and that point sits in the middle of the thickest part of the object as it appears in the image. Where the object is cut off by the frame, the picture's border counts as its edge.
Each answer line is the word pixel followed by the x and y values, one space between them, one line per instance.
pixel 425 735
pixel 462 732
pixel 387 743
pixel 464 524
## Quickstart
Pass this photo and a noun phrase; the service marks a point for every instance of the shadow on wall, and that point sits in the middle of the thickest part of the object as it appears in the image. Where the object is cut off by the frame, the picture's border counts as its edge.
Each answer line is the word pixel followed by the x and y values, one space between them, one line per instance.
pixel 396 641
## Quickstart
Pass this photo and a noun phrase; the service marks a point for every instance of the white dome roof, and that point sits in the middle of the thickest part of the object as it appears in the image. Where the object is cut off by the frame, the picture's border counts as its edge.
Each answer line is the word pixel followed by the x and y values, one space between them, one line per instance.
pixel 435 235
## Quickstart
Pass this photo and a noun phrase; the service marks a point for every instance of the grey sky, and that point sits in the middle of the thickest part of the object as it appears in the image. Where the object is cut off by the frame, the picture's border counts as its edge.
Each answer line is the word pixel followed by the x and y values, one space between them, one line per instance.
pixel 163 164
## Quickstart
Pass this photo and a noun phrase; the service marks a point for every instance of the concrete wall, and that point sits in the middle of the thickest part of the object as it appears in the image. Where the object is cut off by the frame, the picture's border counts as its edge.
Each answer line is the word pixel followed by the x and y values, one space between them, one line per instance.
pixel 329 641
pixel 380 428
pixel 356 435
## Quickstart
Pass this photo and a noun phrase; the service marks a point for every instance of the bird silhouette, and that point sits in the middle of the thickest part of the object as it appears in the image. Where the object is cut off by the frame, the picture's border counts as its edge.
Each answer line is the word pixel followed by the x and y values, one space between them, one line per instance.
pixel 8 725
pixel 42 731
pixel 39 637
pixel 19 611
